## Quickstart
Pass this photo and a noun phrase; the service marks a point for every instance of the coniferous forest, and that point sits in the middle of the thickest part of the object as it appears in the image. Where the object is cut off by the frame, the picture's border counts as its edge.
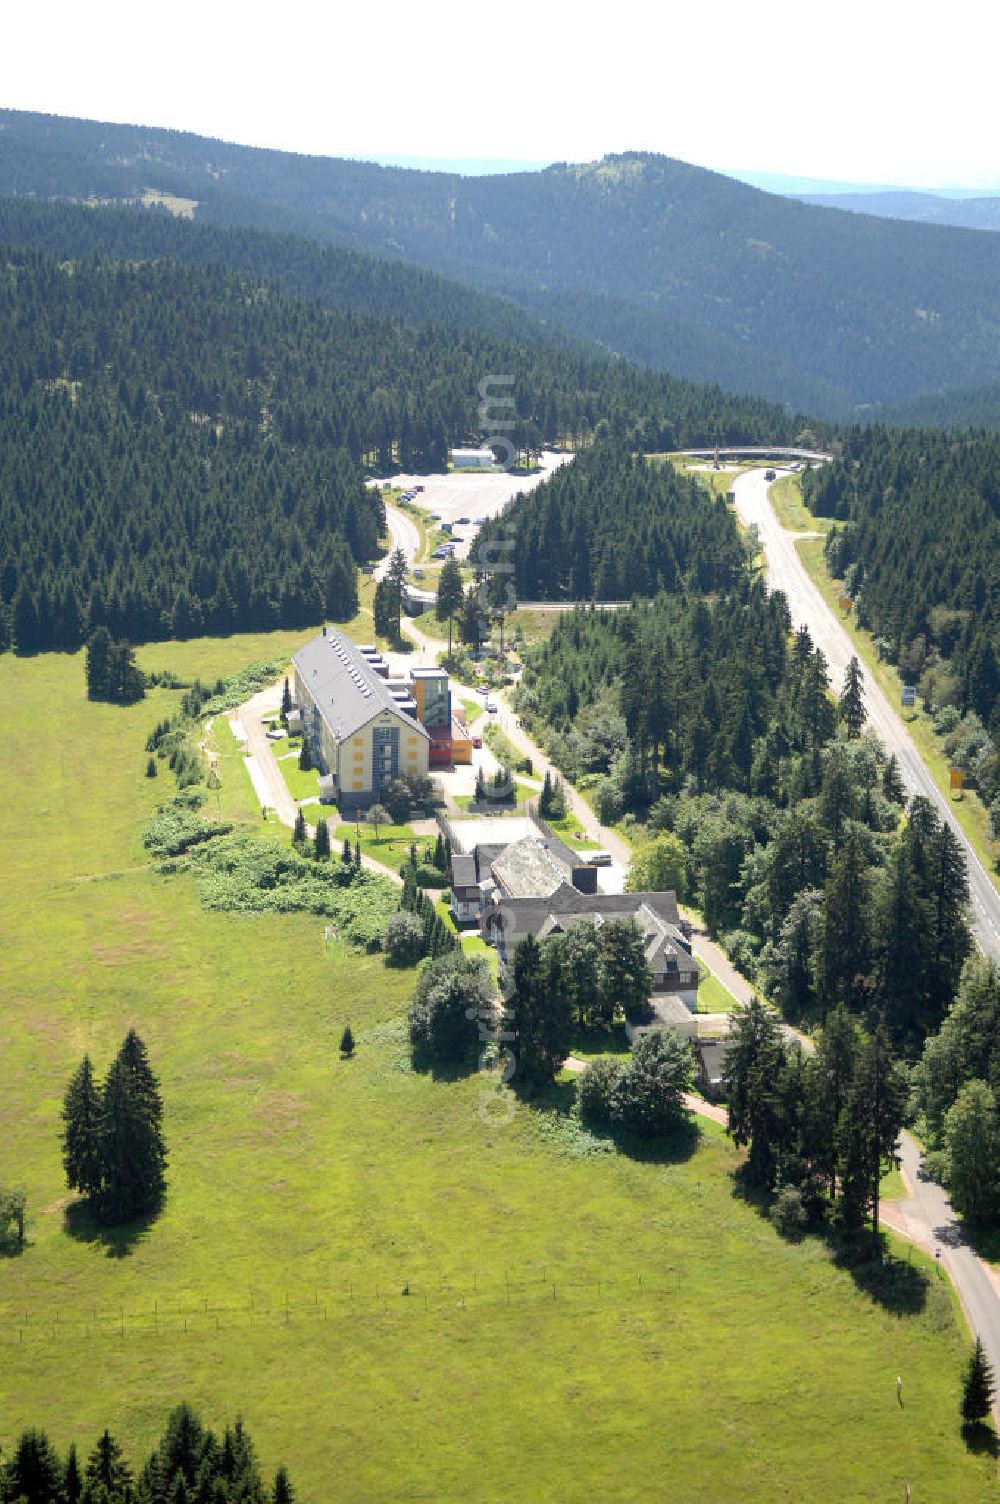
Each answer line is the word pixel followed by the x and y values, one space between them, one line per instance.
pixel 612 526
pixel 920 553
pixel 182 449
pixel 189 1462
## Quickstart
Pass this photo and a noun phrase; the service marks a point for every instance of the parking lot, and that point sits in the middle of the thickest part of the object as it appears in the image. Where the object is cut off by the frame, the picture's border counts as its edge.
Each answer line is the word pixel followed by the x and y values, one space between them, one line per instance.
pixel 466 494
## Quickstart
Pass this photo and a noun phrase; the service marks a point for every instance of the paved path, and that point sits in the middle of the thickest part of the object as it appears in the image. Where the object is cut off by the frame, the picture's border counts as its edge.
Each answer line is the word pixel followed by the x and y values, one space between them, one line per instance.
pixel 786 572
pixel 265 773
pixel 927 1219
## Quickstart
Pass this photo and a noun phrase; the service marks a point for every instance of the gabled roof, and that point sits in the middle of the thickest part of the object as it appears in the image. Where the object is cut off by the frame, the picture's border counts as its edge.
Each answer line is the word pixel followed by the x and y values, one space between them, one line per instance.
pixel 345 687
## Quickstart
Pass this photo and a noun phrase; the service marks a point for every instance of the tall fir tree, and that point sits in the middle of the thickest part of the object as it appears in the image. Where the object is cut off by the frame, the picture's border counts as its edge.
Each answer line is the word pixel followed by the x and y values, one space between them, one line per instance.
pixel 978 1387
pixel 82 1131
pixel 542 1019
pixel 852 701
pixel 450 596
pixel 870 1127
pixel 108 1470
pixel 133 1153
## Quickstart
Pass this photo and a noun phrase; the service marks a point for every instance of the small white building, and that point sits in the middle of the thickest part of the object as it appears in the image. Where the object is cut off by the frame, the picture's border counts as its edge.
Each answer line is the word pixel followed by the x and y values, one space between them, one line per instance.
pixel 472 459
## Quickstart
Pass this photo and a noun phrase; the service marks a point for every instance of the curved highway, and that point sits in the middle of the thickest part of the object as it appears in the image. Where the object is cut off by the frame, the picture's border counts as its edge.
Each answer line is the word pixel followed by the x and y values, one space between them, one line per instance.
pixel 786 572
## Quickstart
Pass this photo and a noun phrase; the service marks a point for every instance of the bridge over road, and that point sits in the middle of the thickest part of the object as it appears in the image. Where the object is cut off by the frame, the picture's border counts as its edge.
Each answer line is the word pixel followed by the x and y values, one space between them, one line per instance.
pixel 749 452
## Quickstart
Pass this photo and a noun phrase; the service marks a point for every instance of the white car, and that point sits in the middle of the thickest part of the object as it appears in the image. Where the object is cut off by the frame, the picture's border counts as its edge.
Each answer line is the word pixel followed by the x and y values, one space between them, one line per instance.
pixel 598 858
pixel 491 707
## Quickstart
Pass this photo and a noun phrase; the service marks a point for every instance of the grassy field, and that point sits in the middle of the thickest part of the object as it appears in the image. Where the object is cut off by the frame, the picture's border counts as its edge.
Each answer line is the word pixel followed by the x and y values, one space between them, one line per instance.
pixel 580 1324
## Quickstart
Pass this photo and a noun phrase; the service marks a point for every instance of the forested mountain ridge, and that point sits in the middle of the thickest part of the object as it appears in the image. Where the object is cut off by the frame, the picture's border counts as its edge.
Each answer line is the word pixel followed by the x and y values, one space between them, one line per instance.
pixel 818 307
pixel 927 208
pixel 332 275
pixel 181 448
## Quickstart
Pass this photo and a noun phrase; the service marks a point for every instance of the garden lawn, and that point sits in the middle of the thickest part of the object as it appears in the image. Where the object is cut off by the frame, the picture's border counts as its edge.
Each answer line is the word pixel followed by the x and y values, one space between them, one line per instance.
pixel 579 1325
pixel 301 783
pixel 392 848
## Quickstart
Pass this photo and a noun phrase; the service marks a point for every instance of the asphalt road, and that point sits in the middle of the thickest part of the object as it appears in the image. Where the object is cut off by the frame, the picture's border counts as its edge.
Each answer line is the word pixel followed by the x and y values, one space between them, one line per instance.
pixel 786 572
pixel 926 1216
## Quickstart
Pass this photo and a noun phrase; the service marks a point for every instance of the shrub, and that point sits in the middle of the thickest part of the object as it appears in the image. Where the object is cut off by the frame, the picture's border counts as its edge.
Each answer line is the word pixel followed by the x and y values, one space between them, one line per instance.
pixel 788 1213
pixel 596 1093
pixel 404 939
pixel 649 1097
pixel 453 991
pixel 347 1042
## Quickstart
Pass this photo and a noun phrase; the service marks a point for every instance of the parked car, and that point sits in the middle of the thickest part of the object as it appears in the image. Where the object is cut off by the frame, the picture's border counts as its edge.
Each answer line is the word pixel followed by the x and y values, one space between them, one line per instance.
pixel 491 707
pixel 481 520
pixel 770 474
pixel 462 520
pixel 418 488
pixel 597 858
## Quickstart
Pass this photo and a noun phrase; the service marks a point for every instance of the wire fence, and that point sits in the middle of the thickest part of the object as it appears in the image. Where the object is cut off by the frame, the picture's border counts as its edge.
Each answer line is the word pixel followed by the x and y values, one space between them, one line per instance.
pixel 347 1300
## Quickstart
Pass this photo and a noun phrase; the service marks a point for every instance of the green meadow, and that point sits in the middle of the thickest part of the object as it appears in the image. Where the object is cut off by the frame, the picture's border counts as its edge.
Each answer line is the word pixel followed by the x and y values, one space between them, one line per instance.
pixel 407 1293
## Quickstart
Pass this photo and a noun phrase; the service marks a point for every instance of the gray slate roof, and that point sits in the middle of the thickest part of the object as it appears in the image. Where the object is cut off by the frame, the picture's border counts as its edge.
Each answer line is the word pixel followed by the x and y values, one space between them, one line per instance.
pixel 526 870
pixel 463 871
pixel 344 685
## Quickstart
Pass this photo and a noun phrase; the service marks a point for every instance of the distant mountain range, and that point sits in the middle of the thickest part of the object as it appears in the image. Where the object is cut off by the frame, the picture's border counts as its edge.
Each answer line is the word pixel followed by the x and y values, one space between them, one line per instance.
pixel 676 267
pixel 925 208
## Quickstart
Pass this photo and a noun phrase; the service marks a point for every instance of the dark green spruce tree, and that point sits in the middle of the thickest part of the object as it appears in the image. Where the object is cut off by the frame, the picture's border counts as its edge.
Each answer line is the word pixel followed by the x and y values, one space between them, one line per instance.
pixel 133 1154
pixel 870 1127
pixel 852 701
pixel 81 1116
pixel 978 1387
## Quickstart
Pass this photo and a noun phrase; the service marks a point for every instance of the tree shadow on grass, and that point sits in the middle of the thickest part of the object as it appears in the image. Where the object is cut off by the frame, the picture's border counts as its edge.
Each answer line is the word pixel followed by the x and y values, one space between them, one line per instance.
pixel 896 1284
pixel 82 1223
pixel 893 1283
pixel 981 1439
pixel 425 1064
pixel 590 1042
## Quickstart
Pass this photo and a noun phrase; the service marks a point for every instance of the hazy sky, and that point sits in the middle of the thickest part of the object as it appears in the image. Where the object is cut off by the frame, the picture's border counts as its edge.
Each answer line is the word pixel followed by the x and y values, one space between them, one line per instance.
pixel 862 90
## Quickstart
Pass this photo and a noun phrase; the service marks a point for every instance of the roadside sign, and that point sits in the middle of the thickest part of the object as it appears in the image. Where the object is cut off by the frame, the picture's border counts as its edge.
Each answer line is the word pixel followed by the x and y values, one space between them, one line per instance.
pixel 909 696
pixel 845 603
pixel 956 778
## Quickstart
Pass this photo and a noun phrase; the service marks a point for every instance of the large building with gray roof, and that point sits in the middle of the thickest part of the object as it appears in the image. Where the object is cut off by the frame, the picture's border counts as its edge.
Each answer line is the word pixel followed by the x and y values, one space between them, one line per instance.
pixel 362 729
